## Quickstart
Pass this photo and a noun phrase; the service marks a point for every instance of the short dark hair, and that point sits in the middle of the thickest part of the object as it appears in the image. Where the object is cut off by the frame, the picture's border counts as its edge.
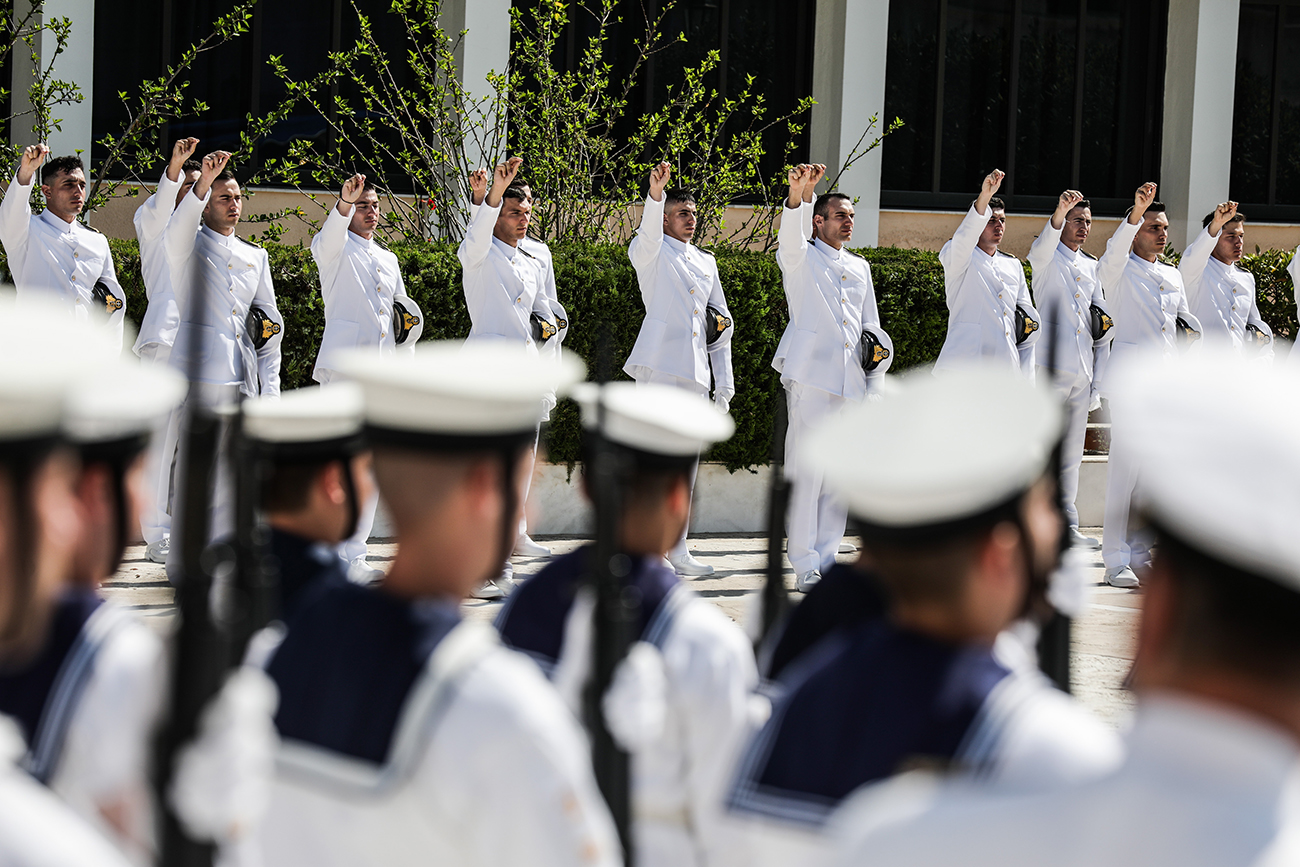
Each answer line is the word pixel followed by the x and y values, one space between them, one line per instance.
pixel 1225 616
pixel 996 204
pixel 1082 203
pixel 678 196
pixel 63 164
pixel 1153 208
pixel 516 191
pixel 226 175
pixel 191 166
pixel 1238 217
pixel 287 486
pixel 369 187
pixel 823 207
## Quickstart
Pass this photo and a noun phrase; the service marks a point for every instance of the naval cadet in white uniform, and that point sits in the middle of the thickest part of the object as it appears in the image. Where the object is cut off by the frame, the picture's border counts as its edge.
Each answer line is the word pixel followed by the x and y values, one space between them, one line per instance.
pixel 231 329
pixel 1213 769
pixel 1067 287
pixel 158 330
pixel 53 254
pixel 89 700
pixel 38 534
pixel 1220 293
pixel 990 311
pixel 833 352
pixel 1148 300
pixel 556 326
pixel 366 305
pixel 408 736
pixel 504 281
pixel 962 549
pixel 682 699
pixel 685 338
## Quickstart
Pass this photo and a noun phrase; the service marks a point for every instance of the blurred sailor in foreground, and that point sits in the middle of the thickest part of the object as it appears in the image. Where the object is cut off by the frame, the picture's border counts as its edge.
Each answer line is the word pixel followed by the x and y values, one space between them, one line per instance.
pixel 53 254
pixel 366 305
pixel 681 702
pixel 407 735
pixel 685 338
pixel 317 476
pixel 549 330
pixel 1213 775
pixel 1149 303
pixel 1067 287
pixel 158 329
pixel 832 353
pixel 990 311
pixel 1220 293
pixel 962 549
pixel 39 528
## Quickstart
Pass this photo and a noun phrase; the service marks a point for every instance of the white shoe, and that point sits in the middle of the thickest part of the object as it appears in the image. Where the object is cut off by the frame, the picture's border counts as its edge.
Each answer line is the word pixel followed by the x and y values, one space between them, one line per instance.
pixel 847 548
pixel 807 580
pixel 688 565
pixel 361 572
pixel 526 547
pixel 488 590
pixel 157 552
pixel 1124 578
pixel 1079 540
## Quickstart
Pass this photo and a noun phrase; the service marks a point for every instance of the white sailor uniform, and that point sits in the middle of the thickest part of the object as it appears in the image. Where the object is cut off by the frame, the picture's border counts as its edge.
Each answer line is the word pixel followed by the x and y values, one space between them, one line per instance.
pixel 1147 299
pixel 49 257
pixel 88 703
pixel 154 343
pixel 409 737
pixel 678 282
pixel 867 705
pixel 1222 298
pixel 679 773
pixel 1067 285
pixel 1202 786
pixel 831 301
pixel 36 830
pixel 983 292
pixel 217 280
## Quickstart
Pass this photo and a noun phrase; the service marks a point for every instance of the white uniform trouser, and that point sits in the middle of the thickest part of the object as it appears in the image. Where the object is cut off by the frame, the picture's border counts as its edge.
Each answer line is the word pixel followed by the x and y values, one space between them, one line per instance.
pixel 1119 548
pixel 815 523
pixel 354 547
pixel 657 378
pixel 156 519
pixel 221 513
pixel 1077 395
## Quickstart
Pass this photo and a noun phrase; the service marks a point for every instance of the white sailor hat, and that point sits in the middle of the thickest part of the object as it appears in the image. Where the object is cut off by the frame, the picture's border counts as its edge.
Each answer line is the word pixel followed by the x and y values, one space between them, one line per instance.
pixel 448 395
pixel 120 402
pixel 1180 417
pixel 653 419
pixel 307 423
pixel 939 452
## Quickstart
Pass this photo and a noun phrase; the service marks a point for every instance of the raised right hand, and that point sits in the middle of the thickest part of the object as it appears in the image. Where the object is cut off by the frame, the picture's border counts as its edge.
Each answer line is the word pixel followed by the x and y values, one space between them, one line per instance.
pixel 33 156
pixel 659 176
pixel 352 189
pixel 992 183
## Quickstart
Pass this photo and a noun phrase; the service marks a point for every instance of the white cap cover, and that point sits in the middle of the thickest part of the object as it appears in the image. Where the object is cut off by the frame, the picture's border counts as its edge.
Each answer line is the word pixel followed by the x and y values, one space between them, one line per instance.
pixel 121 399
pixel 1217 441
pixel 306 415
pixel 658 419
pixel 937 448
pixel 448 388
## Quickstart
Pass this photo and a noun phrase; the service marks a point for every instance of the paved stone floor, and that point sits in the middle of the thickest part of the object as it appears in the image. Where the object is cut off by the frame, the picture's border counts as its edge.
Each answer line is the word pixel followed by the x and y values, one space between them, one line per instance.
pixel 1103 643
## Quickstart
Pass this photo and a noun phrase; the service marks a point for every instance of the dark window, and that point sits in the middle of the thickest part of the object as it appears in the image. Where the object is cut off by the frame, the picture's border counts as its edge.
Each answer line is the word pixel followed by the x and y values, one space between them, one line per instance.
pixel 1057 94
pixel 1266 111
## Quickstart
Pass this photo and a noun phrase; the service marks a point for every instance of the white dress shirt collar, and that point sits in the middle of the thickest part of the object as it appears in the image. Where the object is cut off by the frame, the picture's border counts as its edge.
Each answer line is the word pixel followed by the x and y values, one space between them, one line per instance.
pixel 505 248
pixel 58 223
pixel 223 240
pixel 679 246
pixel 367 243
pixel 827 249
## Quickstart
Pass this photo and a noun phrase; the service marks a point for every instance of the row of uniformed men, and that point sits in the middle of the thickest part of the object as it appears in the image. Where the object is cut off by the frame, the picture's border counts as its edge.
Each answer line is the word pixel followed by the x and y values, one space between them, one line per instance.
pixel 1127 301
pixel 904 720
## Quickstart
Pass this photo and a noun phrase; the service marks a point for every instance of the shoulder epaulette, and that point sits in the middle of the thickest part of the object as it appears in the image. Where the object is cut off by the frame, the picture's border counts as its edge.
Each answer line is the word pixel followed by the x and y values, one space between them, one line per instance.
pixel 250 243
pixel 526 253
pixel 90 227
pixel 1008 255
pixel 1089 255
pixel 706 252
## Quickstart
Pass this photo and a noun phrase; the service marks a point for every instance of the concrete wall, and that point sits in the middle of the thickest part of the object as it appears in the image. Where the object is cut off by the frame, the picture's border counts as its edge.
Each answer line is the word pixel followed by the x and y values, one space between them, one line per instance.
pixel 76 64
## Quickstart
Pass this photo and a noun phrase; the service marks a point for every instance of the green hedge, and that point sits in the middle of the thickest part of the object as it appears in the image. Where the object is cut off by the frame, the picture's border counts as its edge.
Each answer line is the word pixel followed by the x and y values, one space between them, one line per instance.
pixel 598 287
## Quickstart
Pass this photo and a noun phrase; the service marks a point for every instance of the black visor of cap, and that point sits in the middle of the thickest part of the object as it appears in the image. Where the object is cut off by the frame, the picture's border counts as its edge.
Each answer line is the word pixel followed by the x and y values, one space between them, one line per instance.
pixel 444 442
pixel 312 451
pixel 643 460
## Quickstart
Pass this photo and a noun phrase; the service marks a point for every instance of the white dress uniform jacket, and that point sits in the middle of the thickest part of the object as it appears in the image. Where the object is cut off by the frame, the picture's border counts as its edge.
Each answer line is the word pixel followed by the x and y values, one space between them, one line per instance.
pixel 1066 285
pixel 983 292
pixel 831 301
pixel 1146 299
pixel 227 276
pixel 35 829
pixel 358 281
pixel 503 284
pixel 161 317
pixel 1221 296
pixel 58 259
pixel 677 282
pixel 1203 786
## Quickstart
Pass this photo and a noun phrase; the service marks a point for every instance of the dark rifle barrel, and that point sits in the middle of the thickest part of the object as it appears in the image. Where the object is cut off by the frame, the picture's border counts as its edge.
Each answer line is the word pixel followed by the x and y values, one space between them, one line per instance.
pixel 775 598
pixel 1054 640
pixel 256 582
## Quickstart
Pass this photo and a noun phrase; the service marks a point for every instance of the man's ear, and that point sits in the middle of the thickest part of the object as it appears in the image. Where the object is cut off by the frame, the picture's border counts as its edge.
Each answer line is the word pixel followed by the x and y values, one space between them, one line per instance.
pixel 330 483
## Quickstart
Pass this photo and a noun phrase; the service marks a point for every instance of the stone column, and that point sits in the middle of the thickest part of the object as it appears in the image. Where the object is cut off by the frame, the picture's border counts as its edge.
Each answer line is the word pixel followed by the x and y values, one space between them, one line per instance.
pixel 485 48
pixel 1200 72
pixel 75 64
pixel 851 45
